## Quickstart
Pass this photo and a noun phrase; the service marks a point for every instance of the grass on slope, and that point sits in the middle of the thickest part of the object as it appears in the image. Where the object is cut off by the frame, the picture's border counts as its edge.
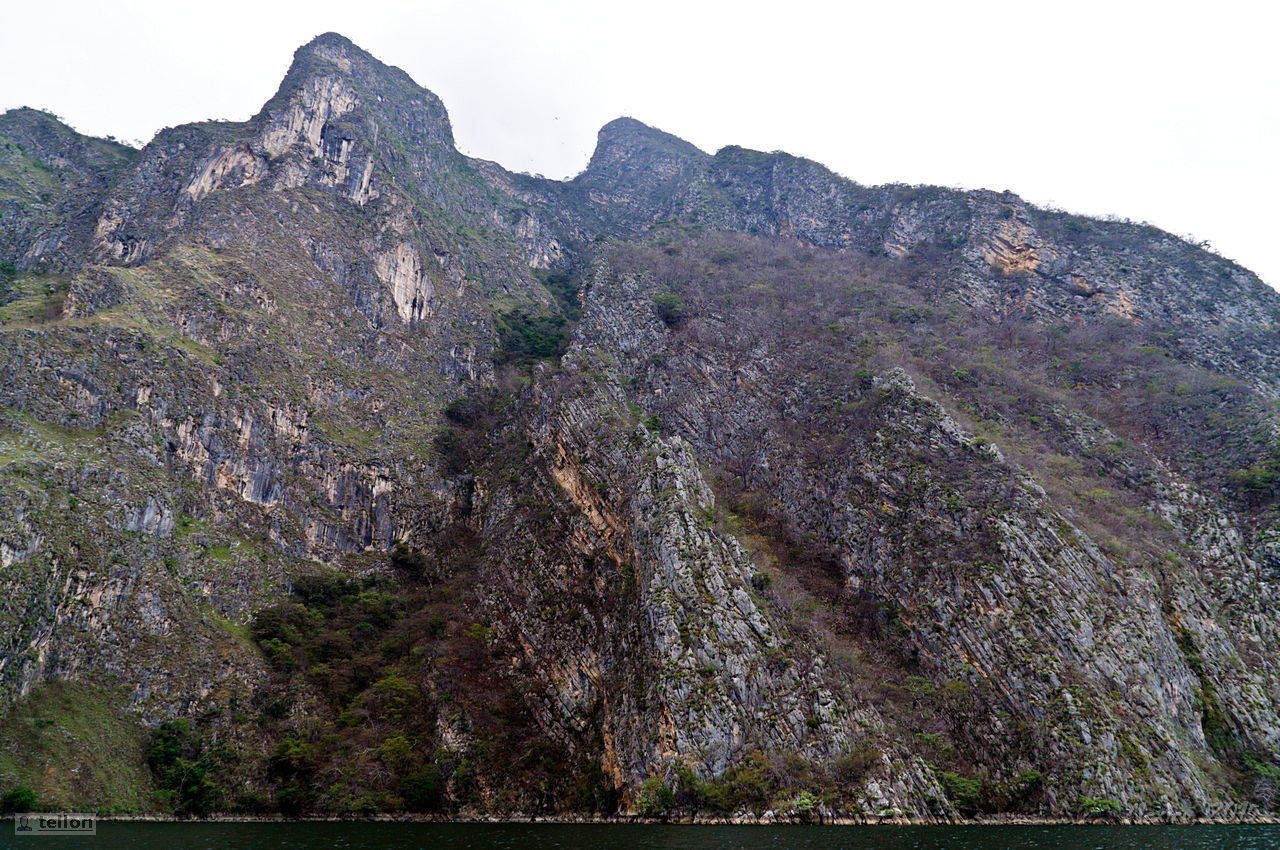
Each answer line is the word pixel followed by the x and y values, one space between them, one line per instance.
pixel 76 746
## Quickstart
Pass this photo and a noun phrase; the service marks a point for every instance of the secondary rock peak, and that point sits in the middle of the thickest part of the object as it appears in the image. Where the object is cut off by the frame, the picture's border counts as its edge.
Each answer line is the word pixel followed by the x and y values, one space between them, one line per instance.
pixel 631 156
pixel 630 132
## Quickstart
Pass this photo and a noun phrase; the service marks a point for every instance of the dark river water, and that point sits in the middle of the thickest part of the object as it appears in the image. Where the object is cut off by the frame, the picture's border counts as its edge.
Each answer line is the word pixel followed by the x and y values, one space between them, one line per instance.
pixel 314 836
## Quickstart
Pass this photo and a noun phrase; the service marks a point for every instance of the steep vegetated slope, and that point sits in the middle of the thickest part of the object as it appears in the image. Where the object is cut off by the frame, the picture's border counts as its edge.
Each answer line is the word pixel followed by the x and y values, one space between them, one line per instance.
pixel 346 474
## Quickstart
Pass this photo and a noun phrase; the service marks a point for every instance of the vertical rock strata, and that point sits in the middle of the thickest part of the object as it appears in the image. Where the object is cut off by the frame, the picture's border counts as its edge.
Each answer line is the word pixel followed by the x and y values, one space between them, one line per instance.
pixel 415 484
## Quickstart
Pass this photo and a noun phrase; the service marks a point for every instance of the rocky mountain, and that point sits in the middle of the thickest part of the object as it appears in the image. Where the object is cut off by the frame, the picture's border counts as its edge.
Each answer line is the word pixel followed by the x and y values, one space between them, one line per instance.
pixel 346 474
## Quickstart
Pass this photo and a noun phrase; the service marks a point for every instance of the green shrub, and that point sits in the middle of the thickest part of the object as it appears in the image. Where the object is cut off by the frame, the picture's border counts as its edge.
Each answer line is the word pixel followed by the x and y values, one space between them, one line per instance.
pixel 851 767
pixel 292 757
pixel 564 288
pixel 964 793
pixel 423 790
pixel 655 799
pixel 743 787
pixel 804 804
pixel 690 791
pixel 596 791
pixel 287 622
pixel 670 308
pixel 182 767
pixel 393 696
pixel 1258 482
pixel 409 561
pixel 1099 806
pixel 1255 765
pixel 527 338
pixel 395 752
pixel 322 590
pixel 20 798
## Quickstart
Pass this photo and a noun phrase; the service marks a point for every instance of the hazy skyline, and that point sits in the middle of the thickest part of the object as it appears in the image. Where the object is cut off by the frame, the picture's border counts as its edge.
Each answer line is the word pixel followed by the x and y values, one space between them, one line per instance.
pixel 1152 111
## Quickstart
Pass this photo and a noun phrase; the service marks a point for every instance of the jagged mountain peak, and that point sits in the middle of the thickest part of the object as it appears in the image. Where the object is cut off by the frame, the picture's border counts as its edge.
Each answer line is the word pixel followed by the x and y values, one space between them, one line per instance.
pixel 635 160
pixel 331 39
pixel 332 77
pixel 341 121
pixel 625 139
pixel 625 129
pixel 332 52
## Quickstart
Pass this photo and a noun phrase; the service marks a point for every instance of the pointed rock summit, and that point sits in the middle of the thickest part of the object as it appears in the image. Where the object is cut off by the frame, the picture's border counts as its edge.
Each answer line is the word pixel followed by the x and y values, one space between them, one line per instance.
pixel 341 122
pixel 635 163
pixel 626 137
pixel 333 80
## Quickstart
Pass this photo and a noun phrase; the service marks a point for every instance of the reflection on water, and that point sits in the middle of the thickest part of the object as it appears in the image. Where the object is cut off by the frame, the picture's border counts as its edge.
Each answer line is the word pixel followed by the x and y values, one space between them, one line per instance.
pixel 398 836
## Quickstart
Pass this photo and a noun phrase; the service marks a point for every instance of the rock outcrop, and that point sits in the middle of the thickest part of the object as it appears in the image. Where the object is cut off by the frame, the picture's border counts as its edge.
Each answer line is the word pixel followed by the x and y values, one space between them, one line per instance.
pixel 369 477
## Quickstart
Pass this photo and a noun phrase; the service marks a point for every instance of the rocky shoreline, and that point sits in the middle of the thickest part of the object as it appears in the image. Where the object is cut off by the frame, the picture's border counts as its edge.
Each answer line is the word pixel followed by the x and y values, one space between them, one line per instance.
pixel 995 820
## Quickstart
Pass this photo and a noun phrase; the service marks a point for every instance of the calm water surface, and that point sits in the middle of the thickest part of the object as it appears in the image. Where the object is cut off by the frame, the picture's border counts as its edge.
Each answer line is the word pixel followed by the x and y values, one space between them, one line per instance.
pixel 395 836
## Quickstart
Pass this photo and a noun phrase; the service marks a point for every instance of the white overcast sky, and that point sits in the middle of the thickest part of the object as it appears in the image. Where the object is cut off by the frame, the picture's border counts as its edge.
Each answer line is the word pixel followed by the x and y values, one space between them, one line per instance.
pixel 1161 111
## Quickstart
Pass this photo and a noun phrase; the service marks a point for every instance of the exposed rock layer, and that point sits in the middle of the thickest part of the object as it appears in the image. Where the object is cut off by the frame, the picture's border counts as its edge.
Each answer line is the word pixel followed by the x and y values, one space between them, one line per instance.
pixel 890 489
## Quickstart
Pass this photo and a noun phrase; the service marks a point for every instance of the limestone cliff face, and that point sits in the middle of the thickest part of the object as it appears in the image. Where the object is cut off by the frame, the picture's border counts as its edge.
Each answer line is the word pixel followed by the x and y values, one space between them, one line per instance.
pixel 1062 638
pixel 714 473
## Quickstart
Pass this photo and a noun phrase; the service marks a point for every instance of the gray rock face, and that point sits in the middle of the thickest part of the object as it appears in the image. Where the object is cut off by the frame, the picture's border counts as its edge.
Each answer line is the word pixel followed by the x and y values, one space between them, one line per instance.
pixel 53 179
pixel 1065 643
pixel 926 501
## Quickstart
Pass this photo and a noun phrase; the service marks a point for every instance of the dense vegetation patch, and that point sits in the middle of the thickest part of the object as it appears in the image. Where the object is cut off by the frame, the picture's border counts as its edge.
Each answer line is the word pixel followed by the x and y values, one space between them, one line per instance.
pixel 527 338
pixel 397 658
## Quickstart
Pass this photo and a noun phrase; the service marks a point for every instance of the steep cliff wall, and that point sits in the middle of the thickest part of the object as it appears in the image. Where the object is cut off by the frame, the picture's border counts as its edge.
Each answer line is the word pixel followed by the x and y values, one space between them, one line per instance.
pixel 367 477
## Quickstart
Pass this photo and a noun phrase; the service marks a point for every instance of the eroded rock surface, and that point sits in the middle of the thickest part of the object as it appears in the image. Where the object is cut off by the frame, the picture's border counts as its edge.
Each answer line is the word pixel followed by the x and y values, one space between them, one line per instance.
pixel 409 483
